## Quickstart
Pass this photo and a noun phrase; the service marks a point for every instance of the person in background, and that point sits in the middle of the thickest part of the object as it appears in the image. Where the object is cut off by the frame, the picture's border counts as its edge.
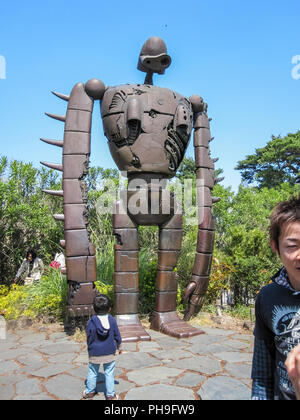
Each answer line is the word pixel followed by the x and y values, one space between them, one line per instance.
pixel 31 269
pixel 60 258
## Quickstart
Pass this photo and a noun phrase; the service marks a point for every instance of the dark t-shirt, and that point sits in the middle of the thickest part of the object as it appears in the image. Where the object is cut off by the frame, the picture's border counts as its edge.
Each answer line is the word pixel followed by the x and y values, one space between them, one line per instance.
pixel 278 324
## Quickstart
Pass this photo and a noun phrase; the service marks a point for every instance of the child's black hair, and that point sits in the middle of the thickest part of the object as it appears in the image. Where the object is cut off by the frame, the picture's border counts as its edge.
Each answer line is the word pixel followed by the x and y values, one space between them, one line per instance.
pixel 102 304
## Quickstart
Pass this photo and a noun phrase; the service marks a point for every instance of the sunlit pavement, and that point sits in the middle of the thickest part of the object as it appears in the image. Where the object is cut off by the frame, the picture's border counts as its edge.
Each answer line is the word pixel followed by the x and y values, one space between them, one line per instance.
pixel 52 366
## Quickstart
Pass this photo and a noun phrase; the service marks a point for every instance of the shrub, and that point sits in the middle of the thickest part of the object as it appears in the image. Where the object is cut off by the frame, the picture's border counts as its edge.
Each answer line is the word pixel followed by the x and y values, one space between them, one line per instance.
pixel 105 289
pixel 219 279
pixel 147 277
pixel 13 301
pixel 49 295
pixel 44 298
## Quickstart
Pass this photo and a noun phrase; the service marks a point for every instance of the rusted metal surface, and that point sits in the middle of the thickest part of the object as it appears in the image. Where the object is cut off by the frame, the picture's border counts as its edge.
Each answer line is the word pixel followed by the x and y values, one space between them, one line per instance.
pixel 148 129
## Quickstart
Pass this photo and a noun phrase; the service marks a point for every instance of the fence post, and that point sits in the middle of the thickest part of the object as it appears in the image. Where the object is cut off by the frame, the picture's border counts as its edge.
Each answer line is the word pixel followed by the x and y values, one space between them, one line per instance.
pixel 2 328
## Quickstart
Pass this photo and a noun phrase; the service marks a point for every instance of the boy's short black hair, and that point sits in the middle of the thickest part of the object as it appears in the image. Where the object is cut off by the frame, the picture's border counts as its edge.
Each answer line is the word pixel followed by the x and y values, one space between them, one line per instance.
pixel 102 304
pixel 285 211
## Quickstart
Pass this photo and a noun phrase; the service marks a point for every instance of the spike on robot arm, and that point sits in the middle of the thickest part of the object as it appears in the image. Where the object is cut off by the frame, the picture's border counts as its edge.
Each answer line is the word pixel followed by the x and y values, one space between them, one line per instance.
pixel 196 289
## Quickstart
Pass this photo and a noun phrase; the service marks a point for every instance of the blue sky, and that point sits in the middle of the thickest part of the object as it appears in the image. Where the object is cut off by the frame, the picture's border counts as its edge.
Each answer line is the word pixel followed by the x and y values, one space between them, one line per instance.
pixel 237 55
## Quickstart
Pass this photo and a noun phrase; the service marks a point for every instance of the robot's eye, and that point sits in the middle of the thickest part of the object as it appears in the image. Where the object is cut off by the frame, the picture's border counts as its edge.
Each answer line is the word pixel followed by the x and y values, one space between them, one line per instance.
pixel 165 61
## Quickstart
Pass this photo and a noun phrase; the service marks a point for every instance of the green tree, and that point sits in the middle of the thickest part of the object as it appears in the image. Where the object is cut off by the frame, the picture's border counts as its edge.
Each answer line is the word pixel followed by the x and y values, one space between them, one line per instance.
pixel 187 169
pixel 277 162
pixel 26 215
pixel 242 235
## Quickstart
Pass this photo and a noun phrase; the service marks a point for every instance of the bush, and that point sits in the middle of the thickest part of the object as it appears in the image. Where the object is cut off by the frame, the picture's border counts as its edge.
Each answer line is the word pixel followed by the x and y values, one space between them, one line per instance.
pixel 44 298
pixel 105 289
pixel 13 301
pixel 147 279
pixel 49 295
pixel 219 279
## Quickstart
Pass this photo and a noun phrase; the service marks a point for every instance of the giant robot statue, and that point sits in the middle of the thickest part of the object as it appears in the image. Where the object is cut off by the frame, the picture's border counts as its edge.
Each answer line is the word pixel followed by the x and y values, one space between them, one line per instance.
pixel 148 130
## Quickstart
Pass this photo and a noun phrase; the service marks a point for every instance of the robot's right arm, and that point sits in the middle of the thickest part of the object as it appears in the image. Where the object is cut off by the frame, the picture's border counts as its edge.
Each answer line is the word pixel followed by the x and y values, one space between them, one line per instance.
pixel 80 253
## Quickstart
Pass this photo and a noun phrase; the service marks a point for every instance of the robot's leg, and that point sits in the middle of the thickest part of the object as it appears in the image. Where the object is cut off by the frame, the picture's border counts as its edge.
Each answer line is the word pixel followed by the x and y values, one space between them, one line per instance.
pixel 165 318
pixel 126 278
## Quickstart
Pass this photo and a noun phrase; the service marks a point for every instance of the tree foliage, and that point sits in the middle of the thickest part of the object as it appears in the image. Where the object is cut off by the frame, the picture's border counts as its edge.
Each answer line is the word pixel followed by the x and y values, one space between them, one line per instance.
pixel 26 215
pixel 274 164
pixel 242 235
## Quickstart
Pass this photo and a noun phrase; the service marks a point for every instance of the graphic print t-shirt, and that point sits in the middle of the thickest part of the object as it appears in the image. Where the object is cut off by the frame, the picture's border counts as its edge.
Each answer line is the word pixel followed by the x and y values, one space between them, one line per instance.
pixel 278 324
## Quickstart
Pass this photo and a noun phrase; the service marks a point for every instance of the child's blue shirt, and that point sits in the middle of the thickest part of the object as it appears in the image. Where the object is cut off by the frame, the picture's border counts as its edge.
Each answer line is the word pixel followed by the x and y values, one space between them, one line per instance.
pixel 102 341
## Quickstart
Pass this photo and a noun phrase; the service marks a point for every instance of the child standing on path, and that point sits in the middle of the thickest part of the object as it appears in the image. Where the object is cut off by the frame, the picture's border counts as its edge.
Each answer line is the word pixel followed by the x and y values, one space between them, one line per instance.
pixel 103 339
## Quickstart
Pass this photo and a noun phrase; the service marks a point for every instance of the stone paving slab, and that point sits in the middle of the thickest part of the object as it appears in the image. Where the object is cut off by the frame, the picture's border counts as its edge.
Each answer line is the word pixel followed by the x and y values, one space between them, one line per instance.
pixel 224 388
pixel 172 354
pixel 190 380
pixel 64 387
pixel 52 369
pixel 28 387
pixel 49 365
pixel 136 360
pixel 239 370
pixel 160 392
pixel 150 375
pixel 201 364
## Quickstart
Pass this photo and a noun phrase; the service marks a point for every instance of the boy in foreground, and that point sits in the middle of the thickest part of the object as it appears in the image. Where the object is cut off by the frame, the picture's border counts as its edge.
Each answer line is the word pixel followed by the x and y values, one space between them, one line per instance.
pixel 103 340
pixel 277 309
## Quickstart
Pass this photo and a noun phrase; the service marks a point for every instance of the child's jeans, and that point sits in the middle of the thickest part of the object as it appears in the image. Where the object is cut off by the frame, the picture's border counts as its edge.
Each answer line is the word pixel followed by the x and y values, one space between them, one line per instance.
pixel 93 374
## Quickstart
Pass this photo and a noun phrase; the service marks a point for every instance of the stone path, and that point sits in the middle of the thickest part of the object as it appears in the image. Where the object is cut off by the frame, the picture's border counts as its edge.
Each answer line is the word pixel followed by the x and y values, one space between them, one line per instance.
pixel 52 366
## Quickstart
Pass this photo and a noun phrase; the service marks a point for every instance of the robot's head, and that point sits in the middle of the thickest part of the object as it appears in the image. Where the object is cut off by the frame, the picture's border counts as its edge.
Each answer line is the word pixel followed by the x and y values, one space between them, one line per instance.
pixel 153 56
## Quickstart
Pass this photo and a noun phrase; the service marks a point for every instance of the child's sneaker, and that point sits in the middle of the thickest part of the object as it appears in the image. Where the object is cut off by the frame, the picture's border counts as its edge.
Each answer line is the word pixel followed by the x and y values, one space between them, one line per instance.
pixel 114 397
pixel 86 396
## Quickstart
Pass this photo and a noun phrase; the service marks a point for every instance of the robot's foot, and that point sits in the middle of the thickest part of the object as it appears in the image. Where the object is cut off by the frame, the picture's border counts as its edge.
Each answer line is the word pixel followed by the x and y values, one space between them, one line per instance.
pixel 169 323
pixel 131 329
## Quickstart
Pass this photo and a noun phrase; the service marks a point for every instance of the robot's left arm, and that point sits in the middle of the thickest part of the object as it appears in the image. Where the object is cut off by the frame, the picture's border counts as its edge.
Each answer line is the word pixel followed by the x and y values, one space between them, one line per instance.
pixel 205 180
